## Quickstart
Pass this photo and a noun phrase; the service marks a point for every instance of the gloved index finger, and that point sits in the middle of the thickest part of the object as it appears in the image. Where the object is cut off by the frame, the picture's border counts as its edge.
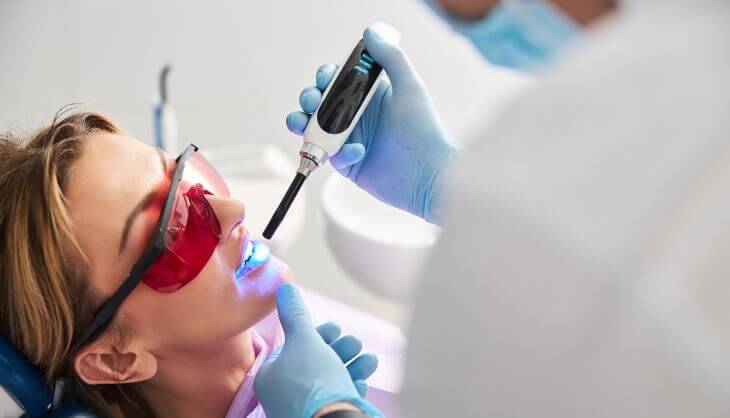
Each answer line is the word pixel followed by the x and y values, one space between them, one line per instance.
pixel 324 76
pixel 293 313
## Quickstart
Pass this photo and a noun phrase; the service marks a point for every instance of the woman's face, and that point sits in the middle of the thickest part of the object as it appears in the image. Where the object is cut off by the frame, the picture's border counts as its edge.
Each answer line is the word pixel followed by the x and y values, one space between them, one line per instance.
pixel 106 187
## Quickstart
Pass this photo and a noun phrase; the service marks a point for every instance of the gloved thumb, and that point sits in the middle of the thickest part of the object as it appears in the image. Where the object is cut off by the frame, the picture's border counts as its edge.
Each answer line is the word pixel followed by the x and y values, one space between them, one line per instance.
pixel 381 41
pixel 348 155
pixel 293 313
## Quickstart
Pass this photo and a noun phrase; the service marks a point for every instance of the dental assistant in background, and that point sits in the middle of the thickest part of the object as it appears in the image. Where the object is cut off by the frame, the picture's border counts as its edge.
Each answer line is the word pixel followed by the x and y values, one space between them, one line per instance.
pixel 585 232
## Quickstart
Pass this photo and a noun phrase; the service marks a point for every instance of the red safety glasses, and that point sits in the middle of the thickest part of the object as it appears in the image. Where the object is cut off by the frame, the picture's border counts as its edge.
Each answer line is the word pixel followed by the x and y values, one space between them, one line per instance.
pixel 186 235
pixel 192 231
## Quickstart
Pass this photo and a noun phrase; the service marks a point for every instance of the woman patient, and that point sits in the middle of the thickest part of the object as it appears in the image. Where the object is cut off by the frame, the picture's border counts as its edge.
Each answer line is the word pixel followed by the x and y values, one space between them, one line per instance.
pixel 168 320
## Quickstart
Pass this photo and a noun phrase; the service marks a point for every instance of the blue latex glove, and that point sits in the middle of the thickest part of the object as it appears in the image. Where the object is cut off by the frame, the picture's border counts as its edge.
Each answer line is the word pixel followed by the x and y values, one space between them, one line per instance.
pixel 347 348
pixel 399 149
pixel 306 374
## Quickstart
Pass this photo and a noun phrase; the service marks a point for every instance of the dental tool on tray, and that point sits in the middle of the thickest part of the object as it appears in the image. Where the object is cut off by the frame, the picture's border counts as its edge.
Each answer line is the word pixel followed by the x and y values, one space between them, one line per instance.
pixel 343 103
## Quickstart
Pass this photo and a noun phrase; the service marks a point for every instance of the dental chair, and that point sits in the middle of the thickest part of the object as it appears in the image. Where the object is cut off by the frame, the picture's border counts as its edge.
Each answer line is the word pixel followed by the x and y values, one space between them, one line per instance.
pixel 24 393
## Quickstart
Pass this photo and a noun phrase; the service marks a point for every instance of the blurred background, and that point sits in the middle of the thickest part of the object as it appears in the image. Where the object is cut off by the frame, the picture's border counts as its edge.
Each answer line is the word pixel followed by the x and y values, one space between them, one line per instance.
pixel 237 70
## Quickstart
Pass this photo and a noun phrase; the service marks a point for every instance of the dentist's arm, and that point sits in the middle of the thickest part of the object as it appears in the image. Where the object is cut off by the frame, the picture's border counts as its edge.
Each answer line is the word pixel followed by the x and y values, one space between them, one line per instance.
pixel 400 149
pixel 306 377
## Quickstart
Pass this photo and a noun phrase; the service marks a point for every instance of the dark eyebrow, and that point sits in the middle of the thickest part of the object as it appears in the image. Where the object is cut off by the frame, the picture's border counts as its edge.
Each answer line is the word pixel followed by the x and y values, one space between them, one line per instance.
pixel 141 206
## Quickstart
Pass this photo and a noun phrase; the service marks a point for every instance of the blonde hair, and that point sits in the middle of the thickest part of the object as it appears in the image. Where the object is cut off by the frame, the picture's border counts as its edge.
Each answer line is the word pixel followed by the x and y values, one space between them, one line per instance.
pixel 45 296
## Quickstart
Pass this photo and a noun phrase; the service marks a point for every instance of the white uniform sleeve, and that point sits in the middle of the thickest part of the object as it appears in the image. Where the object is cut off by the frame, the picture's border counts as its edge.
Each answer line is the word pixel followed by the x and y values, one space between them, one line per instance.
pixel 584 270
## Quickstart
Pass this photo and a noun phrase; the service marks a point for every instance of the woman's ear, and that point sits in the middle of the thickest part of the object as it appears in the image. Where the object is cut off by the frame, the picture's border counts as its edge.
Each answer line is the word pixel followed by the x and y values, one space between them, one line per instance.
pixel 104 363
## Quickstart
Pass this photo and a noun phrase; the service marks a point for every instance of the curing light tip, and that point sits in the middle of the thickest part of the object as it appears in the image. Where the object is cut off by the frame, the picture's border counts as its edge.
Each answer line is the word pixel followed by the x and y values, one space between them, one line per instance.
pixel 284 205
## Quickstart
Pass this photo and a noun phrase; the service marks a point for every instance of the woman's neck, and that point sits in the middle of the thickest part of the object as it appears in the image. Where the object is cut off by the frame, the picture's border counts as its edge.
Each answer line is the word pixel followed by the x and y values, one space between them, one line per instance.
pixel 202 383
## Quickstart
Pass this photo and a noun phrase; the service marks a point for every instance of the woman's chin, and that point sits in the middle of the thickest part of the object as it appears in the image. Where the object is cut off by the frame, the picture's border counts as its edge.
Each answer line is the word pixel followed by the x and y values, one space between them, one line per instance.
pixel 265 279
pixel 258 288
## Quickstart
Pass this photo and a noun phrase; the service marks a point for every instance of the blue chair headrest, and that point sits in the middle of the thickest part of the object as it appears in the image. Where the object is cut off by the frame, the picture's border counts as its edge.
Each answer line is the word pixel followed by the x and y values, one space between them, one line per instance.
pixel 22 381
pixel 26 385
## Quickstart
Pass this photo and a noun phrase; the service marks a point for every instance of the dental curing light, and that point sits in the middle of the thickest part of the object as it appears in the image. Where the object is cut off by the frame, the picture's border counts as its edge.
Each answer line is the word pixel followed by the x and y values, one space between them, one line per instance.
pixel 343 103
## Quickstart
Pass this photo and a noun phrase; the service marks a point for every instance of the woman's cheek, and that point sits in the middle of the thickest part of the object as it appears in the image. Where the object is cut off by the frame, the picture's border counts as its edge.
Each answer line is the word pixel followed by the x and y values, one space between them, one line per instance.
pixel 285 273
pixel 258 290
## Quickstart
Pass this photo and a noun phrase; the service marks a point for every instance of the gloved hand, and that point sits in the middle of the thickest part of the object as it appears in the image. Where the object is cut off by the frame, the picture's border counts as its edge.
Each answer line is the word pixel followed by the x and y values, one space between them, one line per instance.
pixel 399 148
pixel 306 374
pixel 347 348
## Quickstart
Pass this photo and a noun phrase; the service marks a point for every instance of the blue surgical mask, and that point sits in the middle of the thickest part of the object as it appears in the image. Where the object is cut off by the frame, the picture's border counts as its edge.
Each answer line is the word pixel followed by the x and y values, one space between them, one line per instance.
pixel 524 35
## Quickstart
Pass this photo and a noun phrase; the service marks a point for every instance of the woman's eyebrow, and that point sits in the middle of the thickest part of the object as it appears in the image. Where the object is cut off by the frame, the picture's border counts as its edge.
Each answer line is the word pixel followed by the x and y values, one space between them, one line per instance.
pixel 141 206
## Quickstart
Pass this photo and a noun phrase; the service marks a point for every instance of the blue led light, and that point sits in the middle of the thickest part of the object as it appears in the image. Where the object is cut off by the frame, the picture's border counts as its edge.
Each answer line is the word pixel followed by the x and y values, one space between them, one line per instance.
pixel 259 256
pixel 364 64
pixel 261 253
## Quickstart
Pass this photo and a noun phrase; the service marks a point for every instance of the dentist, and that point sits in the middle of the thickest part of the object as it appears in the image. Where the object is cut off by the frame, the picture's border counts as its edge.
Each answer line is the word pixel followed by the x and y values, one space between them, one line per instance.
pixel 583 266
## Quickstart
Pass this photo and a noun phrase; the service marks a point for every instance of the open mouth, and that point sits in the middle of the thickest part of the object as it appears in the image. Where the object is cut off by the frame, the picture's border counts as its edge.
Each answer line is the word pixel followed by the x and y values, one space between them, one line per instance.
pixel 255 255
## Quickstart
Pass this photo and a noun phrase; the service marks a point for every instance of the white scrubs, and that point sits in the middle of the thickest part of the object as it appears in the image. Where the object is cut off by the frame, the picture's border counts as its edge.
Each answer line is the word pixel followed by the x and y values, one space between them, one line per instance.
pixel 584 269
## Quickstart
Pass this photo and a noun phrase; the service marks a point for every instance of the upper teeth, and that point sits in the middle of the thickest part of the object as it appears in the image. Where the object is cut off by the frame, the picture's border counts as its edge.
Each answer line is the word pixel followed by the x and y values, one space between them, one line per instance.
pixel 249 251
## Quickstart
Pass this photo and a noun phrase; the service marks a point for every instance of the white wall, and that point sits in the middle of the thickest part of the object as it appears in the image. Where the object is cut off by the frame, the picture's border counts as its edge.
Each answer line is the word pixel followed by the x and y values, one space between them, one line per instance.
pixel 238 68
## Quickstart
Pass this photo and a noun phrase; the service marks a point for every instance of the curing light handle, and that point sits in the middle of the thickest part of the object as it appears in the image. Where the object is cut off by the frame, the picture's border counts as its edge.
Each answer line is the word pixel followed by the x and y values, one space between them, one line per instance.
pixel 343 103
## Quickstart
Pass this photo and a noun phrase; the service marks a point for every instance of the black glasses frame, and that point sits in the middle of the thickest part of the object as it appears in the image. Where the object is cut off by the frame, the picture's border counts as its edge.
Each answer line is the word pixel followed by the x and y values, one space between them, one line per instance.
pixel 155 247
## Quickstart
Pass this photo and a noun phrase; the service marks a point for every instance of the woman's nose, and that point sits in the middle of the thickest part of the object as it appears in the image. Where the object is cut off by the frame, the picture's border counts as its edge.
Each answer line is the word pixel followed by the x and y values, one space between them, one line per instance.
pixel 230 212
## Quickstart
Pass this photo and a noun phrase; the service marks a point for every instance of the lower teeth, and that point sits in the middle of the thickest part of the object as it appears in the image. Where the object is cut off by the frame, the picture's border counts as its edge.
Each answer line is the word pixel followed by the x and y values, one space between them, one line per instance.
pixel 249 253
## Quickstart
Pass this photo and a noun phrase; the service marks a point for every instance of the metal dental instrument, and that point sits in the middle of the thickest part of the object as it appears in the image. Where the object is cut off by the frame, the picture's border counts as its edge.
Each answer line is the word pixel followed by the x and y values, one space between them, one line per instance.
pixel 165 122
pixel 343 103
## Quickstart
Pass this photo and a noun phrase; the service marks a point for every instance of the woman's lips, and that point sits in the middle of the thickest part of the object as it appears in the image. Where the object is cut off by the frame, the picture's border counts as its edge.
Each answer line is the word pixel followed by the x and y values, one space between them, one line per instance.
pixel 252 254
pixel 258 257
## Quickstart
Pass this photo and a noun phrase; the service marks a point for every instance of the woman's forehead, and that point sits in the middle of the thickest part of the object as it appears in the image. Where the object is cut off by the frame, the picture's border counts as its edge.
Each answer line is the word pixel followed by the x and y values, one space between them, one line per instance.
pixel 113 174
pixel 114 168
